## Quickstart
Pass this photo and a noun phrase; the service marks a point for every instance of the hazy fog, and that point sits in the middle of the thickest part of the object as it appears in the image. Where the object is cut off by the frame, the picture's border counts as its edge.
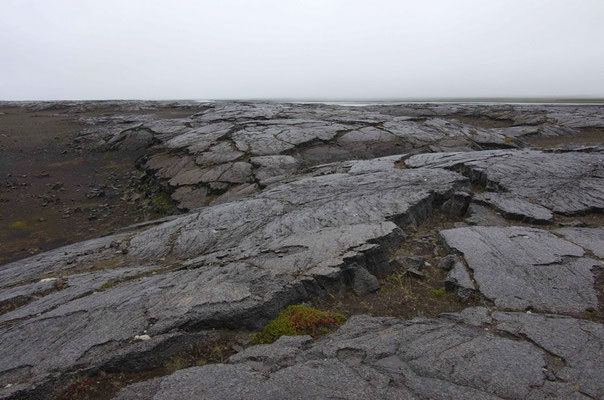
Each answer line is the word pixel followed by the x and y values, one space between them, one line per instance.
pixel 336 49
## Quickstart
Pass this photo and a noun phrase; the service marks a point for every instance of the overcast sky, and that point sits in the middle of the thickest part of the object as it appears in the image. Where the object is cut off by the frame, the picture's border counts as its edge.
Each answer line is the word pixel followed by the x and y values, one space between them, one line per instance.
pixel 321 49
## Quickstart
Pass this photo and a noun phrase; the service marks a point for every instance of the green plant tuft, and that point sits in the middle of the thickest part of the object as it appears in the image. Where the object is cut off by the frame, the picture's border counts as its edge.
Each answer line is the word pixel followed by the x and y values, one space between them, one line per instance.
pixel 299 320
pixel 107 285
pixel 163 203
pixel 436 292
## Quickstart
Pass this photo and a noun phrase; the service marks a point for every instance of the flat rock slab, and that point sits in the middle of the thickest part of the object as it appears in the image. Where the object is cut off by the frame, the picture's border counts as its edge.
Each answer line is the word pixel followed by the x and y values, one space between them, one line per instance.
pixel 563 182
pixel 522 268
pixel 386 358
pixel 514 207
pixel 589 238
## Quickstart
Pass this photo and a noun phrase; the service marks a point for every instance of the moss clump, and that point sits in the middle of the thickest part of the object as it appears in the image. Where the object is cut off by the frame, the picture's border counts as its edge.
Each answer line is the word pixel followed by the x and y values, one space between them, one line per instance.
pixel 107 285
pixel 163 203
pixel 299 320
pixel 436 292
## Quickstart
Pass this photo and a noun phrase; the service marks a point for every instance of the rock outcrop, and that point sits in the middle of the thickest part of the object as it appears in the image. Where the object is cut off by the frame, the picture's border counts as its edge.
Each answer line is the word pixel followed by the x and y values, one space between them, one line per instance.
pixel 464 356
pixel 297 202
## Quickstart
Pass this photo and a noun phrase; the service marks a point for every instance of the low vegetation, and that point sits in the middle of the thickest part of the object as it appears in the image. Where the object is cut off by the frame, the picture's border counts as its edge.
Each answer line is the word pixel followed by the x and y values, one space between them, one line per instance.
pixel 299 320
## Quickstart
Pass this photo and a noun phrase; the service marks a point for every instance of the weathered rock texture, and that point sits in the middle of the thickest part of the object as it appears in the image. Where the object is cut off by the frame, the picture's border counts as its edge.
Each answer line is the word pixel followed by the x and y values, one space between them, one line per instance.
pixel 526 268
pixel 227 146
pixel 291 202
pixel 465 356
pixel 239 263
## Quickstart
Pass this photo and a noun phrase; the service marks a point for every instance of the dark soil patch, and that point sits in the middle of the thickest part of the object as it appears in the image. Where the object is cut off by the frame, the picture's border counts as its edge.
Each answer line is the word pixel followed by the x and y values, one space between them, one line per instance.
pixel 53 192
pixel 103 385
pixel 591 136
pixel 403 295
pixel 483 121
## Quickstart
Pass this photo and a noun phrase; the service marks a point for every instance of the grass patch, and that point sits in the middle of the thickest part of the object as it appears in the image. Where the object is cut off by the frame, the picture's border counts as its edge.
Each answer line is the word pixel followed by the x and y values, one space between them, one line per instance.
pixel 397 278
pixel 163 203
pixel 299 320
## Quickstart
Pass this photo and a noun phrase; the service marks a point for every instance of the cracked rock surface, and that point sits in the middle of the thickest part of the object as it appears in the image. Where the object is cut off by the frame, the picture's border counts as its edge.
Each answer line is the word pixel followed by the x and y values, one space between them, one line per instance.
pixel 527 268
pixel 286 203
pixel 506 355
pixel 199 150
pixel 243 262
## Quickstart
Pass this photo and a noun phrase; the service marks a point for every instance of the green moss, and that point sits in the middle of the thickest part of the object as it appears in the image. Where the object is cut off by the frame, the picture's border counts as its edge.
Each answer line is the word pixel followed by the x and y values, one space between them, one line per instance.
pixel 436 292
pixel 508 140
pixel 107 285
pixel 299 320
pixel 163 202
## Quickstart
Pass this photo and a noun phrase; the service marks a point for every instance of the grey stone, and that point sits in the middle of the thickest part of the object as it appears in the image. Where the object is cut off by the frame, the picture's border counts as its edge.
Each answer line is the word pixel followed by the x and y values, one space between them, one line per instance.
pixel 565 182
pixel 237 172
pixel 591 239
pixel 199 139
pixel 514 207
pixel 270 167
pixel 189 197
pixel 220 153
pixel 577 342
pixel 458 280
pixel 473 316
pixel 526 268
pixel 190 176
pixel 363 282
pixel 167 166
pixel 447 262
pixel 236 193
pixel 481 215
pixel 391 359
pixel 457 205
pixel 368 134
pixel 27 292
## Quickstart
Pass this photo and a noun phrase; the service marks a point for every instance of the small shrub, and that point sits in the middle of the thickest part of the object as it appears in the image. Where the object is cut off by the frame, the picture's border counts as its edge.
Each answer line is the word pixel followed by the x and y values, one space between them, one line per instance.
pixel 299 320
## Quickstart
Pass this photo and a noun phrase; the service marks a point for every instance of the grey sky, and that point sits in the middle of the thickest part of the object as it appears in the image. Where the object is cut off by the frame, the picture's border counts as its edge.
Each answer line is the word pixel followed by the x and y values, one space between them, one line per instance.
pixel 107 49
